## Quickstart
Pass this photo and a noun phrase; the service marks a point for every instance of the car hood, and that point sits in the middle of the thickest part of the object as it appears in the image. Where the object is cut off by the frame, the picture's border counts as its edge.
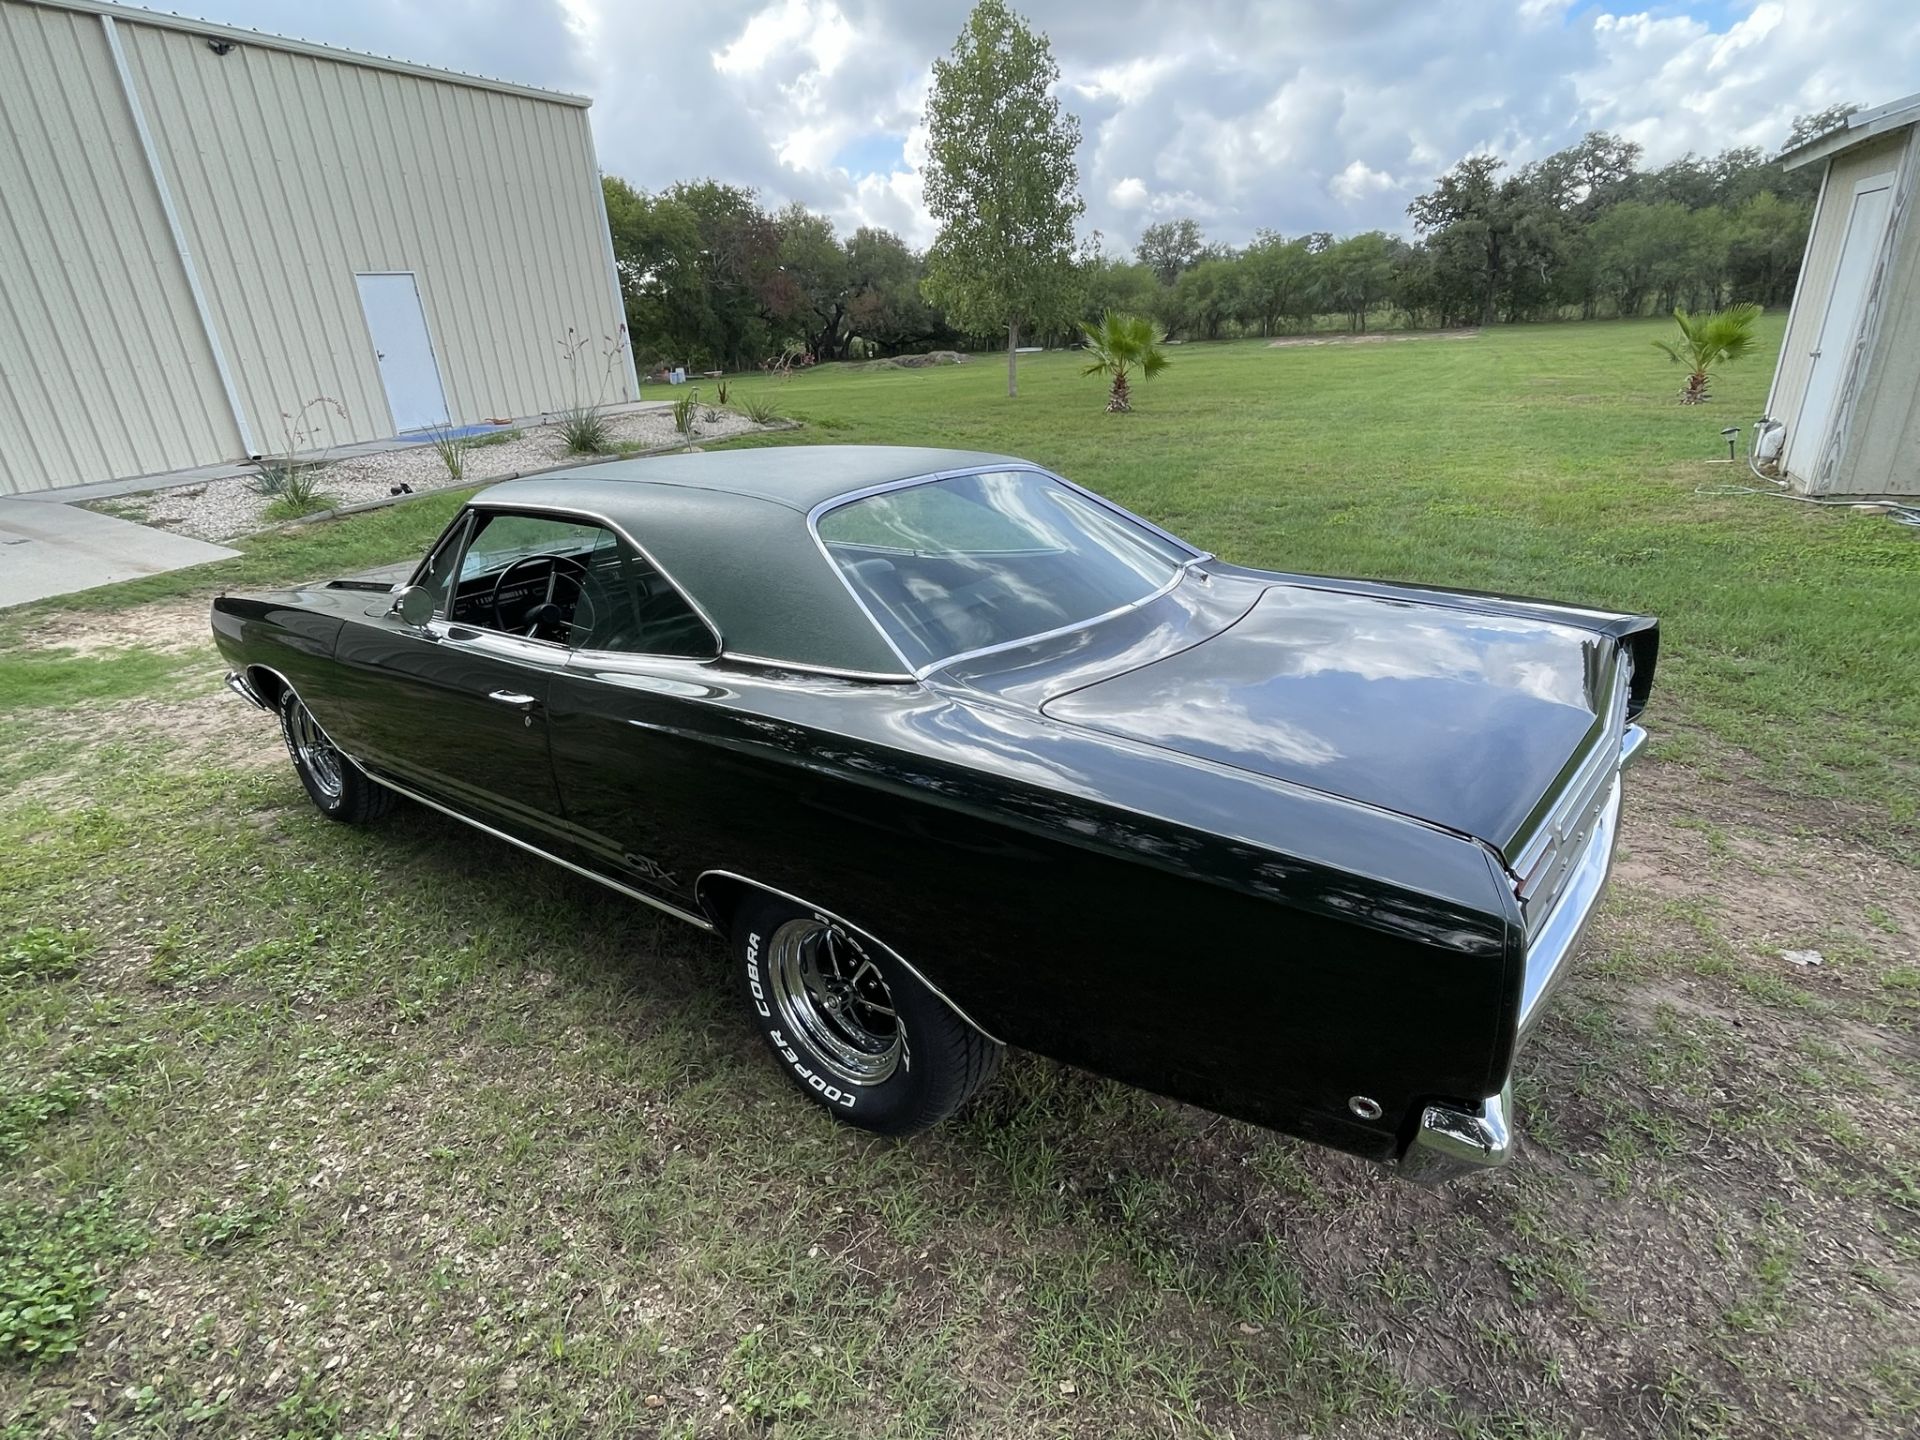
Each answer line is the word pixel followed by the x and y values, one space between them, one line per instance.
pixel 1460 718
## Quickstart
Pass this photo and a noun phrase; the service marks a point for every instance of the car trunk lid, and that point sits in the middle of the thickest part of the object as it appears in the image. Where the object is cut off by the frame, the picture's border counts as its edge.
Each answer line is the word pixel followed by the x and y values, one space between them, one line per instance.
pixel 1465 719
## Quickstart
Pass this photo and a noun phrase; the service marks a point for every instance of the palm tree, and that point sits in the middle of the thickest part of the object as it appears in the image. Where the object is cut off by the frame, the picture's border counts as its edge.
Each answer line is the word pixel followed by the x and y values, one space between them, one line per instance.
pixel 1116 346
pixel 1707 341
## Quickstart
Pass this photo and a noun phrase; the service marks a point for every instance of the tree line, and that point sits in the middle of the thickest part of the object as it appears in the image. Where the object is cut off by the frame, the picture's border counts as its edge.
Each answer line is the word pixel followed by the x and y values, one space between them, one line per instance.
pixel 714 280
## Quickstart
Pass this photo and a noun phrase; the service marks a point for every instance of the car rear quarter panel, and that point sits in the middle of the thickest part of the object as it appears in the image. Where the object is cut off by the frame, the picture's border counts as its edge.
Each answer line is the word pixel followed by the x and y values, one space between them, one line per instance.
pixel 1261 950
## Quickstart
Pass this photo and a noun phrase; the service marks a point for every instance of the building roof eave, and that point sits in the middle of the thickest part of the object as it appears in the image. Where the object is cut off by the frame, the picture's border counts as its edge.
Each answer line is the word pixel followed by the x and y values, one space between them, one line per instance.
pixel 1861 126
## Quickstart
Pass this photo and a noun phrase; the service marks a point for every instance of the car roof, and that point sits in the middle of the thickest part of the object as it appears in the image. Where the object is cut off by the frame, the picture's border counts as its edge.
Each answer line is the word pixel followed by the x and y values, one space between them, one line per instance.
pixel 729 528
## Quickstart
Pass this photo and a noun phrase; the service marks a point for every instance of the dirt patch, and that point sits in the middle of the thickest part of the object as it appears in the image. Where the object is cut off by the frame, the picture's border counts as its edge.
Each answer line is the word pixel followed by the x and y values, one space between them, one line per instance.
pixel 175 627
pixel 1378 337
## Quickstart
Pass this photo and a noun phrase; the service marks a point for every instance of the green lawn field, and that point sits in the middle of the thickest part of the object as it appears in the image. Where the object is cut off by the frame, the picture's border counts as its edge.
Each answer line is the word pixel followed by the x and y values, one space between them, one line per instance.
pixel 310 1131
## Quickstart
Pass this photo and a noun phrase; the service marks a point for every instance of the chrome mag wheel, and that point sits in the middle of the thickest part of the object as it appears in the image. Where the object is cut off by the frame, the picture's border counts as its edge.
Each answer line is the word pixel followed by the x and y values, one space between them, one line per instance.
pixel 313 752
pixel 832 995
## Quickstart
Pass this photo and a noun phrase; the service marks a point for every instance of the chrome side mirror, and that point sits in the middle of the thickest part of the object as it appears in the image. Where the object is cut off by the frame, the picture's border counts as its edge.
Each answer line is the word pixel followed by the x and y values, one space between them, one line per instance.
pixel 413 604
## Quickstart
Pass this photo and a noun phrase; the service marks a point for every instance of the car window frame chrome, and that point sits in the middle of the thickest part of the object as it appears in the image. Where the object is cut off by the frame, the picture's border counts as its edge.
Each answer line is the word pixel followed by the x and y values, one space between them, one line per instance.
pixel 606 522
pixel 1195 556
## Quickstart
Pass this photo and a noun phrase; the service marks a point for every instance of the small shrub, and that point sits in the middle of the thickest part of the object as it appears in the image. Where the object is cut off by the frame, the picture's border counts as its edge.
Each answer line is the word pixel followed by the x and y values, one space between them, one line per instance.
pixel 40 953
pixel 759 409
pixel 582 427
pixel 280 474
pixel 683 409
pixel 710 415
pixel 1706 343
pixel 452 450
pixel 297 505
pixel 50 1276
pixel 25 1111
pixel 720 391
pixel 584 430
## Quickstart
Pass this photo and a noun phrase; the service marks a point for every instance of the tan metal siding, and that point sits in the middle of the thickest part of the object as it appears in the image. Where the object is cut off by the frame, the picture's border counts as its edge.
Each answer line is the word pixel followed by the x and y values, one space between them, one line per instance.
pixel 104 369
pixel 1817 270
pixel 294 173
pixel 1882 456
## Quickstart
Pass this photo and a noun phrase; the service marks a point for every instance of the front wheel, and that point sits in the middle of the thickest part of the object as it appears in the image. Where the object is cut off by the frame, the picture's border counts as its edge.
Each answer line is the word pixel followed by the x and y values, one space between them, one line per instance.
pixel 851 1026
pixel 339 789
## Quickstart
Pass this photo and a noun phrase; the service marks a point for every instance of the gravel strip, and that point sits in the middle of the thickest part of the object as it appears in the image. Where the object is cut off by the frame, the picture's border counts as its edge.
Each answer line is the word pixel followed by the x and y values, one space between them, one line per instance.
pixel 226 509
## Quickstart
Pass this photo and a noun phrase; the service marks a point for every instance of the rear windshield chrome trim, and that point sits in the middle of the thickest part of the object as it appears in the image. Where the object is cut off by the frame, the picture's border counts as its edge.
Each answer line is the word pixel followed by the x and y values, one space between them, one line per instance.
pixel 920 672
pixel 836 672
pixel 1167 589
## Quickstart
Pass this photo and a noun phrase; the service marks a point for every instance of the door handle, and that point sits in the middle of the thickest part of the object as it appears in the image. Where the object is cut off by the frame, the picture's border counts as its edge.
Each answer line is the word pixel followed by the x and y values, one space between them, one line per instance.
pixel 514 698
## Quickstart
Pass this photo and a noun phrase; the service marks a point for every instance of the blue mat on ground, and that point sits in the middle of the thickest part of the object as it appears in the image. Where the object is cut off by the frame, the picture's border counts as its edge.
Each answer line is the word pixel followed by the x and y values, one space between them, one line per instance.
pixel 452 432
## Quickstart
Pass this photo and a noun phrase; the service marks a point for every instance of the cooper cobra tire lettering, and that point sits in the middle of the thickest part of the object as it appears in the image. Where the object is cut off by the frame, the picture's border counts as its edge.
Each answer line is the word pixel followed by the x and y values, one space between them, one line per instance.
pixel 754 987
pixel 941 1059
pixel 827 1090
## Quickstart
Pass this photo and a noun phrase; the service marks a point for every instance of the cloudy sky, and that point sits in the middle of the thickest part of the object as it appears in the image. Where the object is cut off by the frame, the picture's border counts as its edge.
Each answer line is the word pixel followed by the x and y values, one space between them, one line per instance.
pixel 1294 114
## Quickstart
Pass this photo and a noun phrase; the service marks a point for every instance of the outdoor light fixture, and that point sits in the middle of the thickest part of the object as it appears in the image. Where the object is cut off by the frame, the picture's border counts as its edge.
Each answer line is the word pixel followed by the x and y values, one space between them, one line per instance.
pixel 1730 434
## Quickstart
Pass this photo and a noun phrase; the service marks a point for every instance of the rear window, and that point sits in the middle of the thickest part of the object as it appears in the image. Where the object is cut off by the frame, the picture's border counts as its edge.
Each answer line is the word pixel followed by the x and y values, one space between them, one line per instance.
pixel 974 562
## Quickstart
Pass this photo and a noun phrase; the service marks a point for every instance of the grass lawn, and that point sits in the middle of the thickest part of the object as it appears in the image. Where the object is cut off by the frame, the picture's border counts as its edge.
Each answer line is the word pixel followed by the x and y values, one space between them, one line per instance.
pixel 307 1131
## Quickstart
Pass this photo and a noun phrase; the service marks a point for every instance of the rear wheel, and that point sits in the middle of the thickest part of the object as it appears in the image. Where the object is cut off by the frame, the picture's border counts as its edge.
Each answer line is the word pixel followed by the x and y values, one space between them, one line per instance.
pixel 850 1025
pixel 339 789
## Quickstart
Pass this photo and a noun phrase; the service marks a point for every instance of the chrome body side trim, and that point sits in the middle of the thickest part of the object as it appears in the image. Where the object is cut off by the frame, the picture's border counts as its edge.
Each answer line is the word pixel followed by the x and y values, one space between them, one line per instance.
pixel 895 955
pixel 1451 1141
pixel 700 921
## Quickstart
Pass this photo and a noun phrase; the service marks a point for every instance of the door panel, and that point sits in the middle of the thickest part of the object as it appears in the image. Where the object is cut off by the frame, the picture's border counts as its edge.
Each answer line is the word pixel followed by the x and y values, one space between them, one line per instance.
pixel 404 350
pixel 455 712
pixel 635 765
pixel 1866 228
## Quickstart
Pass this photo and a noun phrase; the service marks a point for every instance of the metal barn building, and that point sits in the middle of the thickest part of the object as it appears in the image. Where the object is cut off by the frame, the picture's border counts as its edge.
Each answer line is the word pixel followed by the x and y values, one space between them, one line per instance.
pixel 1848 385
pixel 206 228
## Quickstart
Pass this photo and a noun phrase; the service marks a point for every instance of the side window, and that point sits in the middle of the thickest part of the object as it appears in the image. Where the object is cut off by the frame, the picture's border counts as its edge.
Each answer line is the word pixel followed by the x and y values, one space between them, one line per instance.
pixel 437 574
pixel 574 583
pixel 644 615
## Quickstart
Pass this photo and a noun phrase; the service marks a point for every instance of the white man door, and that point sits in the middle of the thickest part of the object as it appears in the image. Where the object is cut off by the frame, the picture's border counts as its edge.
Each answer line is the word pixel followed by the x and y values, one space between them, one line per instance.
pixel 1833 352
pixel 404 350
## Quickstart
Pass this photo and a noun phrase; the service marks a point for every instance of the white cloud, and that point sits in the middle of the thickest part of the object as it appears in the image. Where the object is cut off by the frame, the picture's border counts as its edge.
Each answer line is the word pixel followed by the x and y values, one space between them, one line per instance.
pixel 1290 114
pixel 818 29
pixel 1355 183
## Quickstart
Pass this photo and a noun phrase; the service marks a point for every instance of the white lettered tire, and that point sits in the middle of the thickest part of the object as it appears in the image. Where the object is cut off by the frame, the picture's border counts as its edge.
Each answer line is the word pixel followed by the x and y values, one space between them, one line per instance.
pixel 851 1027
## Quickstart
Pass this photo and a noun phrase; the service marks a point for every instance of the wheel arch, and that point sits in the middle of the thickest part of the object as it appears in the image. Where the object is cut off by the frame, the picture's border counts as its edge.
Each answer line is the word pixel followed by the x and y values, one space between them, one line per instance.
pixel 268 683
pixel 720 894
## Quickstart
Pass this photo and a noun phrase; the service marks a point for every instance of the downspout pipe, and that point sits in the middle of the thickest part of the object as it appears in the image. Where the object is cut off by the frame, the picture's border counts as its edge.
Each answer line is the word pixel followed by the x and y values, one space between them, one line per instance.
pixel 179 234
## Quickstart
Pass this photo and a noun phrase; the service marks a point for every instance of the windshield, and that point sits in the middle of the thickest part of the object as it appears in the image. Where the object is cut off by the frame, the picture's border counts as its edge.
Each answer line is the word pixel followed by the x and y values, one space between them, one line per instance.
pixel 976 561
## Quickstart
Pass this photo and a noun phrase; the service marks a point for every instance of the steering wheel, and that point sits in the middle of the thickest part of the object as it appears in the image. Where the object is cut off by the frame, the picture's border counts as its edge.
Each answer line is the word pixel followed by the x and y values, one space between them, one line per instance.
pixel 547 612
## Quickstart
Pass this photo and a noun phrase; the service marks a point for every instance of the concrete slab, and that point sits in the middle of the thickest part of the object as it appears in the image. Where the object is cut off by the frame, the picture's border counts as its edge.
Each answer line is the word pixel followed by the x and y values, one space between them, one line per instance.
pixel 57 549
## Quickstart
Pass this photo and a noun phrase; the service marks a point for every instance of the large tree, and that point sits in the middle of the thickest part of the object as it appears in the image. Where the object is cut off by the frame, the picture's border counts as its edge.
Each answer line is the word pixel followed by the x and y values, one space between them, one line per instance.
pixel 1468 219
pixel 1001 181
pixel 1170 247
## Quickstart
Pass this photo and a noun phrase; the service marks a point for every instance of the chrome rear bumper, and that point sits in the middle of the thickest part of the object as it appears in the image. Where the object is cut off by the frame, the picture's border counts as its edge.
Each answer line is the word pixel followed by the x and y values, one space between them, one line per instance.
pixel 240 686
pixel 1453 1140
